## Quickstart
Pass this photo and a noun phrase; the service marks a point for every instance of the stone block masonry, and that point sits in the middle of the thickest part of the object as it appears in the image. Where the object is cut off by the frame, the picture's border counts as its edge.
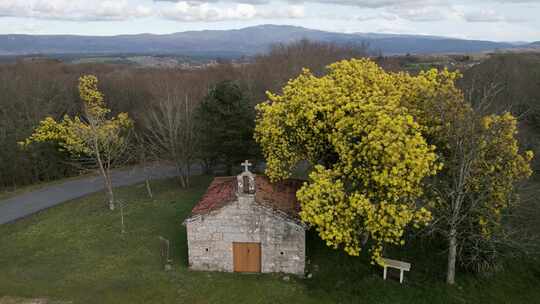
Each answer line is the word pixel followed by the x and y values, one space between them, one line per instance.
pixel 211 237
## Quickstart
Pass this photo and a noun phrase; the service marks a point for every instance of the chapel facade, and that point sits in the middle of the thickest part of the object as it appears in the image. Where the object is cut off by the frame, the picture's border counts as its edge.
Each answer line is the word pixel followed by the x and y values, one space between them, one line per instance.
pixel 247 224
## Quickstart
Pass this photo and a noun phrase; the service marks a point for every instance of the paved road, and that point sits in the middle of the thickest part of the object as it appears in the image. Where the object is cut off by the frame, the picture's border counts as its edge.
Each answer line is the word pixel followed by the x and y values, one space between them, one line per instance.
pixel 31 202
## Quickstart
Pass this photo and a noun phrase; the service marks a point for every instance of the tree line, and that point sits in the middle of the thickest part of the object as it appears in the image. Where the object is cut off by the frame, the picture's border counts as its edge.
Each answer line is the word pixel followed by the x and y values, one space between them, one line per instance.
pixel 31 91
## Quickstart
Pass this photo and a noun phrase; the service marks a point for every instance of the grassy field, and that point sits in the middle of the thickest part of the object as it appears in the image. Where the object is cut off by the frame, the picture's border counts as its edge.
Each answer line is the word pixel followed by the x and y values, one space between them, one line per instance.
pixel 75 252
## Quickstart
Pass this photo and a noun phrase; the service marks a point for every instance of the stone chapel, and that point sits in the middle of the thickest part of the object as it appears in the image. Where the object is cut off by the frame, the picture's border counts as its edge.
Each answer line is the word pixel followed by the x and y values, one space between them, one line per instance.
pixel 247 224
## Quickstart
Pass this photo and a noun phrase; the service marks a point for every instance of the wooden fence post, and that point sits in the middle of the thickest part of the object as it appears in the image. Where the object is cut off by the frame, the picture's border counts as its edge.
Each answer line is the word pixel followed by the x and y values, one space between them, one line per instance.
pixel 166 261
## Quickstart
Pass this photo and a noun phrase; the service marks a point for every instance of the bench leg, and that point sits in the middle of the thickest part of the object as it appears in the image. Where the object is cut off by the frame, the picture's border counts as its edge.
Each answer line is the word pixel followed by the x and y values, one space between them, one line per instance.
pixel 401 276
pixel 384 273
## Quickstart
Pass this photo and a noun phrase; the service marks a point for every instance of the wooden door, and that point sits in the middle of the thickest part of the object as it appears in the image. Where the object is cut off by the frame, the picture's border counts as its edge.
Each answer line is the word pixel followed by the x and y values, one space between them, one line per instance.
pixel 247 257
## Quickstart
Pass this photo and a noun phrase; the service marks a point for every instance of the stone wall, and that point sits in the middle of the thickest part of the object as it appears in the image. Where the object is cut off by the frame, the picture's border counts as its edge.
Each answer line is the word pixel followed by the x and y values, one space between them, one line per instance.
pixel 211 237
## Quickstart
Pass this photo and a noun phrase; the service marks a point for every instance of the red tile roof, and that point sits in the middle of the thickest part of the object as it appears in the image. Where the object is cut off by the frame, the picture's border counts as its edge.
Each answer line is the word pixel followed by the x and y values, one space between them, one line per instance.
pixel 221 191
pixel 278 196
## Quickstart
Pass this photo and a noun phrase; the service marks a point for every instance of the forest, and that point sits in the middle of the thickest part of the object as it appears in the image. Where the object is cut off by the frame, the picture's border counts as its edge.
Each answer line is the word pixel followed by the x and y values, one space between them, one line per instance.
pixel 33 90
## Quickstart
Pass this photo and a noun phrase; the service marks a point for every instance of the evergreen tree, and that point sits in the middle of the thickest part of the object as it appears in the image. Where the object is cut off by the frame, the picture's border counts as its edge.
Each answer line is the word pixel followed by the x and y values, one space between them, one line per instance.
pixel 225 123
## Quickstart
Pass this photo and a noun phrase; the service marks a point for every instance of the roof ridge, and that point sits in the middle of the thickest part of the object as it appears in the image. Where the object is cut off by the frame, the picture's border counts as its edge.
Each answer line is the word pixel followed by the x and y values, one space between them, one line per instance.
pixel 280 196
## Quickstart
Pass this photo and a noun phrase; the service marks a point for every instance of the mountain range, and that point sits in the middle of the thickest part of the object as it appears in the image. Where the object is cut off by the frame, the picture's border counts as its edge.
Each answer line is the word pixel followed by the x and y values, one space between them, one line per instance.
pixel 242 42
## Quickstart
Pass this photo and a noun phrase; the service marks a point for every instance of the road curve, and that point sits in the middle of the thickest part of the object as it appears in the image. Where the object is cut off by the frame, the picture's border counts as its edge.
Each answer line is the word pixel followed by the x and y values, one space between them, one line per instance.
pixel 28 203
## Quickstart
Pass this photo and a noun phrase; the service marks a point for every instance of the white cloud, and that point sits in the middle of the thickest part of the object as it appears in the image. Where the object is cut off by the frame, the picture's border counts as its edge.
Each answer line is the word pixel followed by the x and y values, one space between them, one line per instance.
pixel 483 16
pixel 357 3
pixel 13 8
pixel 420 14
pixel 380 16
pixel 360 3
pixel 489 15
pixel 74 9
pixel 106 10
pixel 195 11
pixel 296 11
pixel 289 11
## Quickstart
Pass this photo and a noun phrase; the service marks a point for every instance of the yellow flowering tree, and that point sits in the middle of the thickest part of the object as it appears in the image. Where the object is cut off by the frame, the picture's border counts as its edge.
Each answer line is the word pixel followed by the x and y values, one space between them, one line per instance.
pixel 373 138
pixel 369 155
pixel 478 188
pixel 92 135
pixel 471 196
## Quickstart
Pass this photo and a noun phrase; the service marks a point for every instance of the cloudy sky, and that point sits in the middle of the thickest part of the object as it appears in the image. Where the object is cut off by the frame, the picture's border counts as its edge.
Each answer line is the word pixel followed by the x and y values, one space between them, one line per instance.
pixel 500 20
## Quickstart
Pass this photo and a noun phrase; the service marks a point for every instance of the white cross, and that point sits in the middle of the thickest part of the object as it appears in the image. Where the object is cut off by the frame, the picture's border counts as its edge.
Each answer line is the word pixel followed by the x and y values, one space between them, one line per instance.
pixel 246 165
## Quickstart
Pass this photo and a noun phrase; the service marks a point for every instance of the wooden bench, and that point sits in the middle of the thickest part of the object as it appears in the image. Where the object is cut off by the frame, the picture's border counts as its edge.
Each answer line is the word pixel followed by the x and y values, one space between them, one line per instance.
pixel 402 266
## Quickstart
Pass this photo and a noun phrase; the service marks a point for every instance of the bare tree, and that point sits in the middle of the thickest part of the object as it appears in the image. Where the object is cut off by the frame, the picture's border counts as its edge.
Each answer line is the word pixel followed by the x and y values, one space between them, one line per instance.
pixel 170 131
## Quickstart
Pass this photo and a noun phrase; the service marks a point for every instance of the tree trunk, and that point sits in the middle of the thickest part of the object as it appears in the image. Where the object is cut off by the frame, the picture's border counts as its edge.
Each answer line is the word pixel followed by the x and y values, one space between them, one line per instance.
pixel 149 188
pixel 110 193
pixel 208 166
pixel 452 251
pixel 182 181
pixel 145 170
pixel 123 229
pixel 106 173
pixel 180 175
pixel 188 174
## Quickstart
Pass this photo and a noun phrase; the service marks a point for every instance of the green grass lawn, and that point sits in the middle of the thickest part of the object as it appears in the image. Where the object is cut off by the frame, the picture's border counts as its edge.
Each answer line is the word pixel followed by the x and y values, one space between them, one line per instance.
pixel 75 252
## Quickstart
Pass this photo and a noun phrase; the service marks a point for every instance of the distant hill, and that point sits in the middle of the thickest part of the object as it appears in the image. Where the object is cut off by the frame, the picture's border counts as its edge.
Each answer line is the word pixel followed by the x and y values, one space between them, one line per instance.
pixel 233 43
